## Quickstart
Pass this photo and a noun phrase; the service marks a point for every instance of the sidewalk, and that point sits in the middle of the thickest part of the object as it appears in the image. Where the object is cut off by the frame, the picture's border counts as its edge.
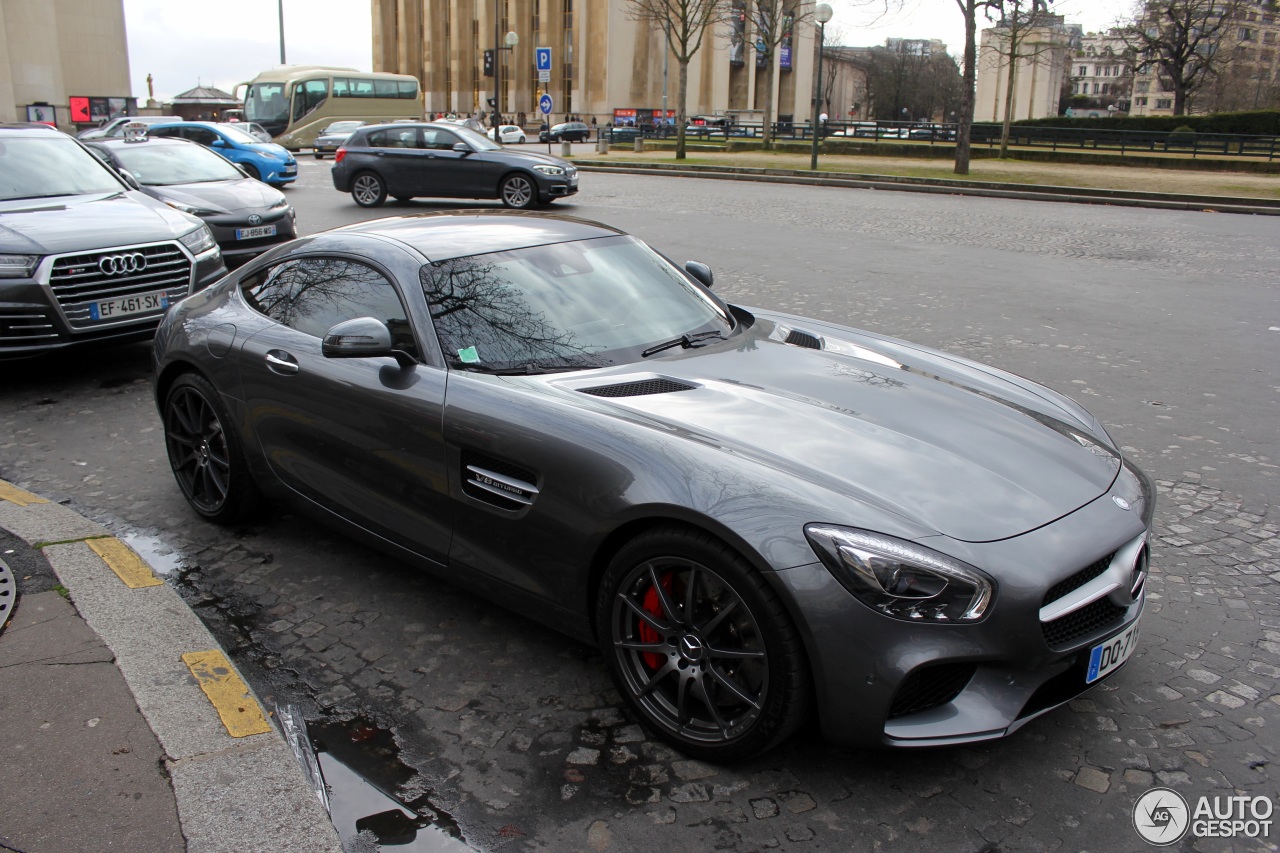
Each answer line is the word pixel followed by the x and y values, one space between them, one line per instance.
pixel 123 725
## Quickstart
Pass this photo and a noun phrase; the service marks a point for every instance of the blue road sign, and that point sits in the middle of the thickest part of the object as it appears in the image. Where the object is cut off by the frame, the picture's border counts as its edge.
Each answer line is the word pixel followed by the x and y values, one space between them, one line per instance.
pixel 544 103
pixel 542 56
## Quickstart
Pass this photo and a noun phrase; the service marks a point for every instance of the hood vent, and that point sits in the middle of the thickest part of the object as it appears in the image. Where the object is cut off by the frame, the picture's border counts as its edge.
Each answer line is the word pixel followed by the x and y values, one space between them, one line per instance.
pixel 638 389
pixel 801 338
pixel 497 483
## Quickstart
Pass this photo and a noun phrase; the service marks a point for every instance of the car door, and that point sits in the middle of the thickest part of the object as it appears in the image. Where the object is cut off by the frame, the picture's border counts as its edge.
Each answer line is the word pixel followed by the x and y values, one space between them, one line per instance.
pixel 397 154
pixel 454 174
pixel 361 437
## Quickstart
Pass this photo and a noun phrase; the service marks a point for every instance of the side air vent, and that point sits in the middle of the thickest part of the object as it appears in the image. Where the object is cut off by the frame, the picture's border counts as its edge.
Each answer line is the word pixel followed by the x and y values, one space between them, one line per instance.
pixel 638 389
pixel 497 483
pixel 801 338
pixel 930 687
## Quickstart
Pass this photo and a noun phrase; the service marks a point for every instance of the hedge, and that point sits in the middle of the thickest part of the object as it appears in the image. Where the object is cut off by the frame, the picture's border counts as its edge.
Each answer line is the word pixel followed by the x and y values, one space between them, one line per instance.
pixel 1254 123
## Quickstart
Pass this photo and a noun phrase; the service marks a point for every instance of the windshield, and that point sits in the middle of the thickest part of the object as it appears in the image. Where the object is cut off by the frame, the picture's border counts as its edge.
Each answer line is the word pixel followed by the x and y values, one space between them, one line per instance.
pixel 238 134
pixel 52 165
pixel 342 126
pixel 478 141
pixel 162 165
pixel 266 103
pixel 588 303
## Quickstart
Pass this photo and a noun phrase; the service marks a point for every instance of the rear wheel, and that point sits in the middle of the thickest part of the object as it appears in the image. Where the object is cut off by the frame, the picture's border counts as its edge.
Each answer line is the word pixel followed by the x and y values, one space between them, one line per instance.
pixel 700 646
pixel 205 452
pixel 517 191
pixel 368 190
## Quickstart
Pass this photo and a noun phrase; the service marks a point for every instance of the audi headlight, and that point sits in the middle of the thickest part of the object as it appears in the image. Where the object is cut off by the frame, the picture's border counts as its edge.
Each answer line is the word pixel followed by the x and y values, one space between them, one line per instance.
pixel 18 266
pixel 548 169
pixel 199 240
pixel 902 579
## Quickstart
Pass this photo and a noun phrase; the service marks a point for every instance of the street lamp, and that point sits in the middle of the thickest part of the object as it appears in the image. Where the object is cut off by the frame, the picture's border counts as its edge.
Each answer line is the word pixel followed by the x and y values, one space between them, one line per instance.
pixel 821 14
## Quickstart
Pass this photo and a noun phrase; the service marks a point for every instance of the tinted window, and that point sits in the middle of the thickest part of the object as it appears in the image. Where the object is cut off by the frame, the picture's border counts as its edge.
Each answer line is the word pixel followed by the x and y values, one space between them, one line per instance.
pixel 408 89
pixel 441 140
pixel 308 95
pixel 393 137
pixel 313 294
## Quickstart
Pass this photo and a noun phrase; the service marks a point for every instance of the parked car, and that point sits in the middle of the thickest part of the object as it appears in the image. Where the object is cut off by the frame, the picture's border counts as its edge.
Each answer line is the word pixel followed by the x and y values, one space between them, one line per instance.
pixel 618 135
pixel 114 129
pixel 510 134
pixel 84 257
pixel 246 216
pixel 751 514
pixel 569 131
pixel 437 160
pixel 254 129
pixel 332 137
pixel 266 161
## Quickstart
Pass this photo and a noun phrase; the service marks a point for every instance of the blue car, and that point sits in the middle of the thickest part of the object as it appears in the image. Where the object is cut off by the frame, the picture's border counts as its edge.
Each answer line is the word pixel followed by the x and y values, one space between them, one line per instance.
pixel 266 161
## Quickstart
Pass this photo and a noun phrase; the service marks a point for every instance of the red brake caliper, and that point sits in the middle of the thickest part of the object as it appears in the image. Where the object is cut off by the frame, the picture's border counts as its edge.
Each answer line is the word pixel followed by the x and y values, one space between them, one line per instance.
pixel 653 605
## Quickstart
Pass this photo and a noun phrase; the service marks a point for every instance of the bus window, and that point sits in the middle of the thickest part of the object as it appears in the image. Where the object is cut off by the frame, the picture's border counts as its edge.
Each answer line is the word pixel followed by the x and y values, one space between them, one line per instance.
pixel 341 87
pixel 308 95
pixel 265 104
pixel 408 89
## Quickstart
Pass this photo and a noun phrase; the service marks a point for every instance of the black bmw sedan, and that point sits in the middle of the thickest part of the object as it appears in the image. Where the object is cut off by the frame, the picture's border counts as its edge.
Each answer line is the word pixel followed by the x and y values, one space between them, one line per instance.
pixel 409 160
pixel 758 518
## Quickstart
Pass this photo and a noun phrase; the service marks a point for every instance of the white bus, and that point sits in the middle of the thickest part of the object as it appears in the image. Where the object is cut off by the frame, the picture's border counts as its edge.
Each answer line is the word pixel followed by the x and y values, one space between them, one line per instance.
pixel 295 102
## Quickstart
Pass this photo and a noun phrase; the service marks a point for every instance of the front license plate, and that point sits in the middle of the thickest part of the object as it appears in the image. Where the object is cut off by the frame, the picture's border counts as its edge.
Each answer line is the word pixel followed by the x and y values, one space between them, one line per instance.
pixel 258 231
pixel 109 309
pixel 1108 655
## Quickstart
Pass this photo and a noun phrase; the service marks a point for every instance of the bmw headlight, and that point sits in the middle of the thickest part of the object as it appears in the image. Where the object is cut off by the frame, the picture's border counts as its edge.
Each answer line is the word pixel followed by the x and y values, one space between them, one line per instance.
pixel 548 169
pixel 18 266
pixel 902 579
pixel 199 240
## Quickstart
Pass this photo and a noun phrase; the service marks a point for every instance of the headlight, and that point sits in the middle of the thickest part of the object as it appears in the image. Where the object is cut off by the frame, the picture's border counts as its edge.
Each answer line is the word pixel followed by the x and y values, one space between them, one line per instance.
pixel 187 208
pixel 199 240
pixel 284 202
pixel 902 579
pixel 18 266
pixel 550 170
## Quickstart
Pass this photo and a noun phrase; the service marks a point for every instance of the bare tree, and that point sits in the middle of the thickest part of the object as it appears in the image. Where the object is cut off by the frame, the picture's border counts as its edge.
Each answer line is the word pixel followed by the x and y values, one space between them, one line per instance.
pixel 898 78
pixel 964 124
pixel 774 23
pixel 1181 41
pixel 685 24
pixel 1020 39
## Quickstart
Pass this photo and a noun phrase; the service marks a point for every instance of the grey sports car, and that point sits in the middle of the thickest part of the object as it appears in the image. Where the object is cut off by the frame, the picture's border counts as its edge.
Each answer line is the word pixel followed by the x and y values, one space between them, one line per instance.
pixel 758 517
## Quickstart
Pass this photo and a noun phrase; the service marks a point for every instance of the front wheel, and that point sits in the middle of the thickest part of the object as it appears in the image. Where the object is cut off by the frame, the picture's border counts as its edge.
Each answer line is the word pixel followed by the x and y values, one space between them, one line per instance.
pixel 205 452
pixel 252 171
pixel 518 191
pixel 368 190
pixel 319 156
pixel 700 646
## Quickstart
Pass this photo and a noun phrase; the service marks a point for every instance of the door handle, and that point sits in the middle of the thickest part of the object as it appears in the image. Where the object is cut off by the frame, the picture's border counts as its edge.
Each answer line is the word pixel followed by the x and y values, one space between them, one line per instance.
pixel 279 361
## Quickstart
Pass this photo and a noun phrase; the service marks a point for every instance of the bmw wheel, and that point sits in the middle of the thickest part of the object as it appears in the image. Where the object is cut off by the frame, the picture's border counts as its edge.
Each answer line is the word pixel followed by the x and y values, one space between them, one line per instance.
pixel 700 646
pixel 368 190
pixel 207 459
pixel 517 191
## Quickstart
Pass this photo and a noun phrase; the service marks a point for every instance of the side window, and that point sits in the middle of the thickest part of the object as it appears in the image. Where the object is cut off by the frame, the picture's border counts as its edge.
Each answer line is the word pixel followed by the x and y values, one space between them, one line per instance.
pixel 202 135
pixel 394 137
pixel 165 131
pixel 308 95
pixel 313 294
pixel 440 140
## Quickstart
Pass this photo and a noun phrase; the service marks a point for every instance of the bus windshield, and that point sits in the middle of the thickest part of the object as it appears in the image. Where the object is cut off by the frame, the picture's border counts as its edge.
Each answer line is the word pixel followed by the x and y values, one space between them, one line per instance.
pixel 266 104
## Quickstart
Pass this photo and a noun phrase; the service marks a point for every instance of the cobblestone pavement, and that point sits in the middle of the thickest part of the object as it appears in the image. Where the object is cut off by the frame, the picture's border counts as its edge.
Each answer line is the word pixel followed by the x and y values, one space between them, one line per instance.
pixel 513 734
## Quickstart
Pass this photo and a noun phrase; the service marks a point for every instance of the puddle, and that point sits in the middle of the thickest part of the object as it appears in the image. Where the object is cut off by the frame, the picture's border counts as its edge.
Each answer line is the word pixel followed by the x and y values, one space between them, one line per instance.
pixel 361 766
pixel 164 559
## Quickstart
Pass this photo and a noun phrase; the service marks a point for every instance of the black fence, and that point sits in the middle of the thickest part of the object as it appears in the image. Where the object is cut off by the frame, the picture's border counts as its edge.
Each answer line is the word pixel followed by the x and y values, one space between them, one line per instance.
pixel 1053 138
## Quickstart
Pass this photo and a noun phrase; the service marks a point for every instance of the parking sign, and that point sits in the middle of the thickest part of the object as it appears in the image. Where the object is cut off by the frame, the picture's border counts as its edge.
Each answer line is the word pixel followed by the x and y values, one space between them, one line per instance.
pixel 542 58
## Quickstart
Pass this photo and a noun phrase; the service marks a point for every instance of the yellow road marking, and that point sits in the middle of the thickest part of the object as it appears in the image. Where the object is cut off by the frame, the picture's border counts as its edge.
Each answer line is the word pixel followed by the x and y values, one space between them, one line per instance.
pixel 239 711
pixel 10 492
pixel 127 565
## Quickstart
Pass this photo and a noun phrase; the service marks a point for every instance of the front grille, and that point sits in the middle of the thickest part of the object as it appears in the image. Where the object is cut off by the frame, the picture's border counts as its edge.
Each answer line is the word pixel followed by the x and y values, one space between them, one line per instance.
pixel 638 389
pixel 78 280
pixel 24 326
pixel 930 687
pixel 1065 630
pixel 1077 580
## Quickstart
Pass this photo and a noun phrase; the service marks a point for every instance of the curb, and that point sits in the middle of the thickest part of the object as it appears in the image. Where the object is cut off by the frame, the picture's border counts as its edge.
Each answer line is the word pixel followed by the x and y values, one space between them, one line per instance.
pixel 237 784
pixel 1030 192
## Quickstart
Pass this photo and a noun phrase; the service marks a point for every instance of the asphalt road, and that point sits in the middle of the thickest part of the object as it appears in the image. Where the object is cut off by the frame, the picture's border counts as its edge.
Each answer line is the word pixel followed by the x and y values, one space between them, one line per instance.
pixel 1165 324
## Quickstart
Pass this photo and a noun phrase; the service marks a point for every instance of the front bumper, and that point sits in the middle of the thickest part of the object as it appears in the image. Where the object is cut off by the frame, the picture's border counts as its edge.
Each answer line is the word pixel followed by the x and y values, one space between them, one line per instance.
pixel 225 230
pixel 886 682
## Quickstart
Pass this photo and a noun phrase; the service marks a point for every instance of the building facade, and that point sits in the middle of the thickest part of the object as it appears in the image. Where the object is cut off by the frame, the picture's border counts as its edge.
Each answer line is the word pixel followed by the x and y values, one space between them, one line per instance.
pixel 1101 75
pixel 63 62
pixel 1041 49
pixel 602 60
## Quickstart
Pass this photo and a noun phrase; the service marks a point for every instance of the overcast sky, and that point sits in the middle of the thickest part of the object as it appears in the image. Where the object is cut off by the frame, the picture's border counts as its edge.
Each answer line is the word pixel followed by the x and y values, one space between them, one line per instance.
pixel 183 44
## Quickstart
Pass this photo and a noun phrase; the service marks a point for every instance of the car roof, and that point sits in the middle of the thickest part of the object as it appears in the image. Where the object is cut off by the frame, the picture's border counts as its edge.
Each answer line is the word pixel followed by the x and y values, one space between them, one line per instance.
pixel 121 142
pixel 455 234
pixel 25 128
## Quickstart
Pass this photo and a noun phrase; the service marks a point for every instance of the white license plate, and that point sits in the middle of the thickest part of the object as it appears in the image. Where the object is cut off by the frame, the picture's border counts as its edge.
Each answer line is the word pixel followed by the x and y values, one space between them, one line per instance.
pixel 257 231
pixel 1108 655
pixel 109 309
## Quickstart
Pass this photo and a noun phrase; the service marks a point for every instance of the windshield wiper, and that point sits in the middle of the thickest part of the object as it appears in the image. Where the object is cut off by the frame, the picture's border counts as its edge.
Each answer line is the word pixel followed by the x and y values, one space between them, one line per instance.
pixel 685 341
pixel 529 369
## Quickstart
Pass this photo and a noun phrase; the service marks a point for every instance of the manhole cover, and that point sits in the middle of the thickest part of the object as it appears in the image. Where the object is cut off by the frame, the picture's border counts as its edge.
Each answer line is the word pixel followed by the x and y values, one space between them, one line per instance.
pixel 8 593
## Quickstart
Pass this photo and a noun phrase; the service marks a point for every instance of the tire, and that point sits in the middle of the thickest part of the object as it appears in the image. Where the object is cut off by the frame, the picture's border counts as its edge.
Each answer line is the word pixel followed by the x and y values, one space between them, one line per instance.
pixel 205 452
pixel 319 156
pixel 403 199
pixel 368 189
pixel 518 191
pixel 520 141
pixel 700 647
pixel 252 171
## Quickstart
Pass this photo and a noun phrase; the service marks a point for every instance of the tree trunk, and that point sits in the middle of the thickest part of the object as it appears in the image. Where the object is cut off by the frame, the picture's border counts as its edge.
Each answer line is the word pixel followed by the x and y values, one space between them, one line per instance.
pixel 1008 96
pixel 1179 99
pixel 682 94
pixel 768 103
pixel 965 125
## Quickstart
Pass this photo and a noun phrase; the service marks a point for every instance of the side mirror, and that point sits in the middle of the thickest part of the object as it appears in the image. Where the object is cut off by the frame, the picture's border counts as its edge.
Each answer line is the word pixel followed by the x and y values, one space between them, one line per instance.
pixel 130 179
pixel 363 337
pixel 701 272
pixel 218 143
pixel 462 147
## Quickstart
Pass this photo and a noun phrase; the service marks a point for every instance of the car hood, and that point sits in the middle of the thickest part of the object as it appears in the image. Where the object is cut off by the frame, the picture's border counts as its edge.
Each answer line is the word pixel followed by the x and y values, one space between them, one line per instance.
pixel 221 196
pixel 49 226
pixel 966 450
pixel 530 158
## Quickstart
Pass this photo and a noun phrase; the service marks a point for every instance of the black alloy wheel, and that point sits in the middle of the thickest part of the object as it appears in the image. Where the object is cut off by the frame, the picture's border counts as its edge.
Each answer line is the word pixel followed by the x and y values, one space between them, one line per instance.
pixel 700 646
pixel 207 460
pixel 518 192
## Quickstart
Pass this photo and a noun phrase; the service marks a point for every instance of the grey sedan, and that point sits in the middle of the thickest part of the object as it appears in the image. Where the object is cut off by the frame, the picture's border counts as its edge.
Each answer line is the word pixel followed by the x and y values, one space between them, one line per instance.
pixel 758 518
pixel 332 137
pixel 439 160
